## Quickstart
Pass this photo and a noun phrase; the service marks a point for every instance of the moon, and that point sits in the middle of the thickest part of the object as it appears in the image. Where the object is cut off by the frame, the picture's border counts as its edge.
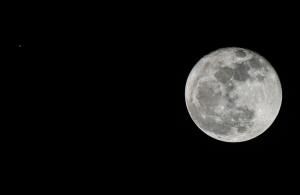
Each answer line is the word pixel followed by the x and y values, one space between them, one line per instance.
pixel 233 94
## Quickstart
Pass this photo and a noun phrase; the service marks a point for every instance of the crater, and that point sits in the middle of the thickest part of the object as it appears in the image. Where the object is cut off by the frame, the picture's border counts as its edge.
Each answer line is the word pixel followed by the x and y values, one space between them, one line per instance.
pixel 230 101
pixel 229 86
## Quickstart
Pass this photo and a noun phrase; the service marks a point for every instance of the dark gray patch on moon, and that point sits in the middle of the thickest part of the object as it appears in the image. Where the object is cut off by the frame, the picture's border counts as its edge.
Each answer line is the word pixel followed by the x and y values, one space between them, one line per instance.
pixel 224 74
pixel 260 77
pixel 241 129
pixel 255 63
pixel 241 72
pixel 207 97
pixel 229 87
pixel 240 53
pixel 262 68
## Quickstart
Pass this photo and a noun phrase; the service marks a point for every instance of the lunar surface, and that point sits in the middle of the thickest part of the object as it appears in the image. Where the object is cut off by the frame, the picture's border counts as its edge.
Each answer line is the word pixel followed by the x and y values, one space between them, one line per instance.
pixel 233 94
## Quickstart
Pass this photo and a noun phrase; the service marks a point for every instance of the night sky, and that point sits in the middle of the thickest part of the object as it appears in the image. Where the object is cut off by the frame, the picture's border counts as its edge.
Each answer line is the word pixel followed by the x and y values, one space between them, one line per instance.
pixel 104 82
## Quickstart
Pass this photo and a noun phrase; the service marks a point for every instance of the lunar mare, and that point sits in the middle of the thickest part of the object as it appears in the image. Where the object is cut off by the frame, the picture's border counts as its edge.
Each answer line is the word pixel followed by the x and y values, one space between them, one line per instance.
pixel 233 94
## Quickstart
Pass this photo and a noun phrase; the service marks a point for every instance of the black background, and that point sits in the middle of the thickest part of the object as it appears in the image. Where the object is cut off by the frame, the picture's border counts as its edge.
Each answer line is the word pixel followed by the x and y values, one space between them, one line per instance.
pixel 106 84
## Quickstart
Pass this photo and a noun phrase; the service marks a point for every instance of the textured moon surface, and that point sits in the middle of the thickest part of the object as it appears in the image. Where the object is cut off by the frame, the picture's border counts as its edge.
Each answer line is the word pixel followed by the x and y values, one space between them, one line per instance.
pixel 233 94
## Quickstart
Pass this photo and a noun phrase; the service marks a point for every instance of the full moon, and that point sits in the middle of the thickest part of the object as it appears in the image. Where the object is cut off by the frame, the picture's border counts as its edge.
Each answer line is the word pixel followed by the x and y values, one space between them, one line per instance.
pixel 233 94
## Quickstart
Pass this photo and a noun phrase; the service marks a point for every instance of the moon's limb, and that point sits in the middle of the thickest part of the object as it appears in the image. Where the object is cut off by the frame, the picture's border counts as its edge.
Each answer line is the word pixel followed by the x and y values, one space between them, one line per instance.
pixel 233 94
